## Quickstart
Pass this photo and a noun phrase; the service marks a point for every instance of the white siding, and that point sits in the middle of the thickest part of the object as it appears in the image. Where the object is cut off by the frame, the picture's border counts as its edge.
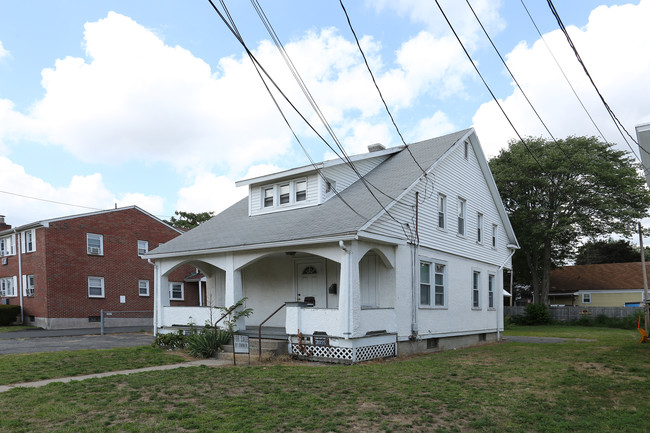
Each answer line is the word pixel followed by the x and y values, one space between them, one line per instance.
pixel 344 176
pixel 255 195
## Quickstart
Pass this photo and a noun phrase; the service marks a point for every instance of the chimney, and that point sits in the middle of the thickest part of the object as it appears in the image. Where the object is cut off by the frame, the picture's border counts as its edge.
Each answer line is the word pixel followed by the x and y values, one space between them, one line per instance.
pixel 3 225
pixel 376 147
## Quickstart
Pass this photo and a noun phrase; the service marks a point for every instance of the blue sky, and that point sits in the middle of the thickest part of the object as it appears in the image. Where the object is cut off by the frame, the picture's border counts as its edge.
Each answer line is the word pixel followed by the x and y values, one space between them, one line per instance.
pixel 153 102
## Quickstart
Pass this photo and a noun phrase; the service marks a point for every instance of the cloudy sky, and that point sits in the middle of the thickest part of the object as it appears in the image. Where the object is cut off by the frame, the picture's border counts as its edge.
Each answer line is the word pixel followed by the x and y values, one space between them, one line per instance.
pixel 154 103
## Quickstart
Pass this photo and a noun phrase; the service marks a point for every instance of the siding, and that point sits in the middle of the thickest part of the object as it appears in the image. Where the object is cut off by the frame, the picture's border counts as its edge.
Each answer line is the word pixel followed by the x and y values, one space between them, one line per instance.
pixel 344 176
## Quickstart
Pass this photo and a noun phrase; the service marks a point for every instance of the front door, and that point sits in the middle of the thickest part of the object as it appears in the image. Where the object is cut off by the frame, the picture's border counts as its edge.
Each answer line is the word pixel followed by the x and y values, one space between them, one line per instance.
pixel 310 277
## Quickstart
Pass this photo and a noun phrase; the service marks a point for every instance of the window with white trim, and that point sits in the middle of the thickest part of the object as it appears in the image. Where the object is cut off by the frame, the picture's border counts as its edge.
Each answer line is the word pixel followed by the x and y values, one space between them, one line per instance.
pixel 433 287
pixel 301 191
pixel 8 286
pixel 143 287
pixel 491 283
pixel 476 289
pixel 267 195
pixel 284 193
pixel 29 241
pixel 28 285
pixel 95 244
pixel 442 211
pixel 479 228
pixel 466 149
pixel 494 235
pixel 143 247
pixel 586 298
pixel 95 287
pixel 462 208
pixel 8 246
pixel 176 291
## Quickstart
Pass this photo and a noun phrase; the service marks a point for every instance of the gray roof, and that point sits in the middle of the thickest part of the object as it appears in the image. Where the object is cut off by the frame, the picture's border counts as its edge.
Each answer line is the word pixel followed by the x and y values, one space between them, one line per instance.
pixel 234 228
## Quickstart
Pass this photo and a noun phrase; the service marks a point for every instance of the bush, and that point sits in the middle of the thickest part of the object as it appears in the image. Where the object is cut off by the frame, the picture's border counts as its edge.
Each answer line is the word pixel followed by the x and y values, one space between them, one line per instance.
pixel 537 314
pixel 207 342
pixel 174 340
pixel 8 314
pixel 628 322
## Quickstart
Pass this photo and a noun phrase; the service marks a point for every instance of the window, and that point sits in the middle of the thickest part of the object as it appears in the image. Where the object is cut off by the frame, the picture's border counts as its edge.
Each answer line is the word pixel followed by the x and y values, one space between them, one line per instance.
pixel 143 287
pixel 176 291
pixel 442 211
pixel 29 241
pixel 330 185
pixel 494 235
pixel 95 287
pixel 268 197
pixel 586 298
pixel 437 298
pixel 7 246
pixel 95 244
pixel 301 190
pixel 143 247
pixel 491 281
pixel 466 149
pixel 479 228
pixel 28 285
pixel 8 286
pixel 284 193
pixel 462 204
pixel 476 289
pixel 368 280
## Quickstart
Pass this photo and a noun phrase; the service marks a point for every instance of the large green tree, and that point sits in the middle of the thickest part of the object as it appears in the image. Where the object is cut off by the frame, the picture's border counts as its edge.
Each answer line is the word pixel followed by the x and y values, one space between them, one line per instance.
pixel 609 251
pixel 188 220
pixel 557 193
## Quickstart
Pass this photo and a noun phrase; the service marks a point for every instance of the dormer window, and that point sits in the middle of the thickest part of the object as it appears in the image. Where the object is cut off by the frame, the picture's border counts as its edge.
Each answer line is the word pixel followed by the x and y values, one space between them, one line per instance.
pixel 284 194
pixel 301 190
pixel 268 197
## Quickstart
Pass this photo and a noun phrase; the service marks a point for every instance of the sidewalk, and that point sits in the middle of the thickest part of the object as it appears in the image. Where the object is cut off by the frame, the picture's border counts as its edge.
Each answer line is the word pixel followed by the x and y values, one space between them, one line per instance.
pixel 205 362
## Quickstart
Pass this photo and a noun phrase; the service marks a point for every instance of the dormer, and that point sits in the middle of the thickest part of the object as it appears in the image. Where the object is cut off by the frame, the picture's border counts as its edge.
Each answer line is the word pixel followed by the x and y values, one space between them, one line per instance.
pixel 309 185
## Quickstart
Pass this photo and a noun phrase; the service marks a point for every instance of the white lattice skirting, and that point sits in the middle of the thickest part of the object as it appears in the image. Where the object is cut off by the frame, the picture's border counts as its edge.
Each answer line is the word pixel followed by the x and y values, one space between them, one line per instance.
pixel 344 354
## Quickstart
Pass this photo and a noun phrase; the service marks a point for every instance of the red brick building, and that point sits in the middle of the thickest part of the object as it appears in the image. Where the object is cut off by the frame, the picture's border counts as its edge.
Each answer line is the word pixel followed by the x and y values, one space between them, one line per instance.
pixel 64 271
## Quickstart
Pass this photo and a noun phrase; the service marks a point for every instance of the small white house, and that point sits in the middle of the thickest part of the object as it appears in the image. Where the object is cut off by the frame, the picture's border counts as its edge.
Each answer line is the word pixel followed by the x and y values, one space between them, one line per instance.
pixel 404 255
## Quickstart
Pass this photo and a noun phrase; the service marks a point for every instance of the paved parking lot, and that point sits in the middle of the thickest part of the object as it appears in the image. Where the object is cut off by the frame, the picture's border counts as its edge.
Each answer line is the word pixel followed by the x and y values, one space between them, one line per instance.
pixel 32 341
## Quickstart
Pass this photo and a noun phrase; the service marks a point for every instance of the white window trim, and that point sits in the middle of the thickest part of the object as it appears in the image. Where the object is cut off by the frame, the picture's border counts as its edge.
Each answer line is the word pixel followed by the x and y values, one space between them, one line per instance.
pixel 171 298
pixel 28 290
pixel 101 279
pixel 139 291
pixel 475 289
pixel 585 296
pixel 461 205
pixel 480 233
pixel 495 232
pixel 146 247
pixel 442 199
pixel 432 284
pixel 32 234
pixel 492 278
pixel 91 250
pixel 10 283
pixel 275 188
pixel 11 242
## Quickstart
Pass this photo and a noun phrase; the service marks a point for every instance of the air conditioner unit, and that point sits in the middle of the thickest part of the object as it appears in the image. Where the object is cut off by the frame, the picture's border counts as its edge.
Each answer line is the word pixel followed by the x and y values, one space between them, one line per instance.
pixel 29 292
pixel 5 260
pixel 93 250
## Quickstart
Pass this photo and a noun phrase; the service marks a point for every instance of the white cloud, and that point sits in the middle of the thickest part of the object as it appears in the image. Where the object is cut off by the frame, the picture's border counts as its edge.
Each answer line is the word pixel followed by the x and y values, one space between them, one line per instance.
pixel 434 126
pixel 3 51
pixel 612 46
pixel 209 193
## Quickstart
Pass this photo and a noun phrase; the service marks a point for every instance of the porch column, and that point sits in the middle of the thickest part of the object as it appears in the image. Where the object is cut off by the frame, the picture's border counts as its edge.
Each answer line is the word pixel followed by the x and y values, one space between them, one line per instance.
pixel 161 295
pixel 234 290
pixel 349 294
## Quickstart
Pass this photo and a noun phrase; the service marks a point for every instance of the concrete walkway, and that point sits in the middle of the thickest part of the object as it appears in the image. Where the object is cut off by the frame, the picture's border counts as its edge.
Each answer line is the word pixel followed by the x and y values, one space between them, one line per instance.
pixel 205 362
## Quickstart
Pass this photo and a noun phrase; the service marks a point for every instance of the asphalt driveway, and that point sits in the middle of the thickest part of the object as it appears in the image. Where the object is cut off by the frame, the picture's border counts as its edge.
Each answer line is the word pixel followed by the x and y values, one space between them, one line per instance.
pixel 40 340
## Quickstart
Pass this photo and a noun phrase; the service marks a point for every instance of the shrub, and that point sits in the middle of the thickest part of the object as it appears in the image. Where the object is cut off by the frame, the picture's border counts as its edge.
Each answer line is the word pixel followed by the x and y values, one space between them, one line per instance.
pixel 207 342
pixel 174 340
pixel 537 314
pixel 8 314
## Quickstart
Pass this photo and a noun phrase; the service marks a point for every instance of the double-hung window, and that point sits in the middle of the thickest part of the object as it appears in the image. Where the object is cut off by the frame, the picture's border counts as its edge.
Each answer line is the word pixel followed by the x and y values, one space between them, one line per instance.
pixel 476 289
pixel 8 286
pixel 462 212
pixel 491 282
pixel 301 190
pixel 95 244
pixel 176 291
pixel 433 284
pixel 442 211
pixel 285 193
pixel 28 285
pixel 494 235
pixel 143 247
pixel 479 228
pixel 7 246
pixel 268 196
pixel 29 241
pixel 143 287
pixel 95 287
pixel 586 298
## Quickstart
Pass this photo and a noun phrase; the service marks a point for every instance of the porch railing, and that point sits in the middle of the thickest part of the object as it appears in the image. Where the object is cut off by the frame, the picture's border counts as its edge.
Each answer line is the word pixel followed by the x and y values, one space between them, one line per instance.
pixel 259 331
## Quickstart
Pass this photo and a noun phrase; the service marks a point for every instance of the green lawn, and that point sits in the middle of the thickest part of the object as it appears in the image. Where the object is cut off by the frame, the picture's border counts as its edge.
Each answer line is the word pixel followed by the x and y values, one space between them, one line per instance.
pixel 580 386
pixel 15 328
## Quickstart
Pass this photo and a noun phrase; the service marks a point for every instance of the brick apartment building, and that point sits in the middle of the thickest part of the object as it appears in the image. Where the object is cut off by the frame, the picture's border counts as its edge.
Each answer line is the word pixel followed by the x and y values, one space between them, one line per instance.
pixel 64 271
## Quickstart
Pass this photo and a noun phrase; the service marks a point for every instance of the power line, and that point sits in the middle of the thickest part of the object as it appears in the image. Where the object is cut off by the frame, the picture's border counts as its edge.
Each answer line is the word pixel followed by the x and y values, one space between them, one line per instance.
pixel 49 201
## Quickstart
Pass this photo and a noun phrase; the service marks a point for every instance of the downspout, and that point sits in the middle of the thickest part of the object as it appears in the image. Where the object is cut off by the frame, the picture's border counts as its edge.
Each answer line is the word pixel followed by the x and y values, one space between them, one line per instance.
pixel 348 254
pixel 500 273
pixel 20 276
pixel 155 298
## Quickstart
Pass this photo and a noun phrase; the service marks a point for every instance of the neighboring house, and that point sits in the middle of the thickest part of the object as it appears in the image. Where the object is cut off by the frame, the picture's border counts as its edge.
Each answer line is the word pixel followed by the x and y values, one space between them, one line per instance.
pixel 602 285
pixel 64 271
pixel 360 280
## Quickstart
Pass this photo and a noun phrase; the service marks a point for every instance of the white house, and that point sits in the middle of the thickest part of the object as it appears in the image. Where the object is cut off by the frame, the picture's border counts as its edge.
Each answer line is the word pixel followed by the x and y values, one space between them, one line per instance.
pixel 404 255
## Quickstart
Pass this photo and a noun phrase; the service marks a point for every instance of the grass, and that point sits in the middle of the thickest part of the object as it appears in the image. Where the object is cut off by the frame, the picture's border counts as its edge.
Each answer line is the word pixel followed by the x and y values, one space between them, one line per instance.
pixel 578 386
pixel 15 328
pixel 30 367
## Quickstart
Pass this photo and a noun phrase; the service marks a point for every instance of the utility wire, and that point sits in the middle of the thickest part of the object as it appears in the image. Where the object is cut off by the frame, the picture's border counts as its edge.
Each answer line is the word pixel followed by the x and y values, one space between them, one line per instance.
pixel 488 87
pixel 615 119
pixel 49 201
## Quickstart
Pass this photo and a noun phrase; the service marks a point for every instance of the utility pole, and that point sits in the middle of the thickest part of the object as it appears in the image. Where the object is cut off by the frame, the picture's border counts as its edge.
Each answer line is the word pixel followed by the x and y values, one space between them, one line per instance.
pixel 646 304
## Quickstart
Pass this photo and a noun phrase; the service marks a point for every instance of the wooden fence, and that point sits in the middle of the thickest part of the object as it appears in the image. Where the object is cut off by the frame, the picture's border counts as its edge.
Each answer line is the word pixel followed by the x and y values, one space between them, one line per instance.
pixel 563 314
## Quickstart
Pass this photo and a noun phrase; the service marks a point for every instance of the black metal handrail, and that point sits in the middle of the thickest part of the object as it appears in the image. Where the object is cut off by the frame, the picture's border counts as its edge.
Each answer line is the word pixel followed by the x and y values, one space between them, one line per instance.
pixel 230 310
pixel 259 331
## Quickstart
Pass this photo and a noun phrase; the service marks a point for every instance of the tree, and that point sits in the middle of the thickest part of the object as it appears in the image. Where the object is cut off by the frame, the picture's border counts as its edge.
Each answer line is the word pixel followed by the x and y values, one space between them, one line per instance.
pixel 189 220
pixel 609 251
pixel 578 187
